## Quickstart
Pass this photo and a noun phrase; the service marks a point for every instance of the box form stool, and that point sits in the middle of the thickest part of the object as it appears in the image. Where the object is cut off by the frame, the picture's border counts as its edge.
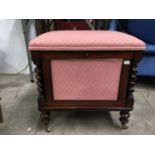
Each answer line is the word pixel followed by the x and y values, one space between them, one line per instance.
pixel 86 70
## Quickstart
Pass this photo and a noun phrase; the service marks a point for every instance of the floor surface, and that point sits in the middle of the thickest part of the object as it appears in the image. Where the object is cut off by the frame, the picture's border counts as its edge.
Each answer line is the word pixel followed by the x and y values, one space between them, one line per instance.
pixel 21 116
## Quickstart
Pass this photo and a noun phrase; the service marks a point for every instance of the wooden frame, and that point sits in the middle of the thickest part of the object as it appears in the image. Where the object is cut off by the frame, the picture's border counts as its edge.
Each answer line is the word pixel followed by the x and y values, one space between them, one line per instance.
pixel 124 104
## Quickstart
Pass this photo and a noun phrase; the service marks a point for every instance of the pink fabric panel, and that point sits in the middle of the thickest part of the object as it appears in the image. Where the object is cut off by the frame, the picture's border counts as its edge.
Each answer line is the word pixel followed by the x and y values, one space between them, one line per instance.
pixel 86 40
pixel 86 79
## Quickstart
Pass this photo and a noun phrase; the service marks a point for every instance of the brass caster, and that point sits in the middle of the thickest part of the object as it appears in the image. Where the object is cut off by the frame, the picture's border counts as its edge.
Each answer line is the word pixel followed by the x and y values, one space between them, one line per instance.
pixel 123 126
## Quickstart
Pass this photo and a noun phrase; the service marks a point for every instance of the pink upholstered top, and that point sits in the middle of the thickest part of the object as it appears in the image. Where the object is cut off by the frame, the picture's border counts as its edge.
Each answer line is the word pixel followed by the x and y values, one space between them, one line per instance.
pixel 86 40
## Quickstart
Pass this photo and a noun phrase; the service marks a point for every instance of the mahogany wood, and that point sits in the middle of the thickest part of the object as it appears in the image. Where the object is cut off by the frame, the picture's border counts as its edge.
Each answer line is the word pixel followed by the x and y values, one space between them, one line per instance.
pixel 46 102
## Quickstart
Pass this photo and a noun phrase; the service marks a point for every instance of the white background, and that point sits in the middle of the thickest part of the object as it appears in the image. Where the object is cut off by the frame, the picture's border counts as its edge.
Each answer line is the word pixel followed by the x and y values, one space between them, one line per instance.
pixel 13 56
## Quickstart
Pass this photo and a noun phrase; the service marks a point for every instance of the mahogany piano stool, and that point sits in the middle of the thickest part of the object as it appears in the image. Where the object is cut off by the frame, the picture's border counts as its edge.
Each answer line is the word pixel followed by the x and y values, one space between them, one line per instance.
pixel 86 70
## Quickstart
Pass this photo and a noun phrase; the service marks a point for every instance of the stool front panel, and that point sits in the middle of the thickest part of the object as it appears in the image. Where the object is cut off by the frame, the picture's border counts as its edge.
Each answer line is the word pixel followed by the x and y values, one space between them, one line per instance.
pixel 86 79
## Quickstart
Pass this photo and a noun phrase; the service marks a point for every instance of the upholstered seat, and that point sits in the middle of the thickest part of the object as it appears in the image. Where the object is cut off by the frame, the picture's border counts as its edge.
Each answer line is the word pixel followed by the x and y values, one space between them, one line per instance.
pixel 86 40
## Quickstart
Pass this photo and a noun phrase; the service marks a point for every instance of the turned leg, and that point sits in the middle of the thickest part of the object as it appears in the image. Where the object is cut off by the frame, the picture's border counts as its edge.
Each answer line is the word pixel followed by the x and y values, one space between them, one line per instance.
pixel 124 119
pixel 45 116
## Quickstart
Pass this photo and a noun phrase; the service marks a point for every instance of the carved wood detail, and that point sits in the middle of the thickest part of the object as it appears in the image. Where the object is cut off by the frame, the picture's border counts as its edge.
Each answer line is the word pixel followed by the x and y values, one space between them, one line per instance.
pixel 39 79
pixel 133 79
pixel 124 118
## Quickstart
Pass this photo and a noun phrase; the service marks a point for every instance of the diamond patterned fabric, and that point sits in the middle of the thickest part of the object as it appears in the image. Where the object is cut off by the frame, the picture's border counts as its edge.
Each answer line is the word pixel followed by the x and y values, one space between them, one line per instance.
pixel 86 79
pixel 86 40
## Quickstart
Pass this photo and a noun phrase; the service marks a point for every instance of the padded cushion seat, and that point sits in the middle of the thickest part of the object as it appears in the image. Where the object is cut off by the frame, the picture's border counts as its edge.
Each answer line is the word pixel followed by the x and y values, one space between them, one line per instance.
pixel 85 40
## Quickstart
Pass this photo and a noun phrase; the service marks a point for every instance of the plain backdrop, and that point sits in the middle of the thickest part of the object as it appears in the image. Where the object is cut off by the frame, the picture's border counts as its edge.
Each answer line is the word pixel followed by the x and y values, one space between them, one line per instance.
pixel 13 56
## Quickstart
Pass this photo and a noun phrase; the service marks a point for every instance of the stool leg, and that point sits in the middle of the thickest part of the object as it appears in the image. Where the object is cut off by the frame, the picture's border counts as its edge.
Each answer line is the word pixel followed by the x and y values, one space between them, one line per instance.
pixel 45 116
pixel 124 119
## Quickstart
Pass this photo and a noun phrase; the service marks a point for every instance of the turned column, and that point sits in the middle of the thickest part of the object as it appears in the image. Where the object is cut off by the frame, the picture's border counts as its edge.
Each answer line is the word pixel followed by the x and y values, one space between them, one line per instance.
pixel 124 118
pixel 45 115
pixel 124 114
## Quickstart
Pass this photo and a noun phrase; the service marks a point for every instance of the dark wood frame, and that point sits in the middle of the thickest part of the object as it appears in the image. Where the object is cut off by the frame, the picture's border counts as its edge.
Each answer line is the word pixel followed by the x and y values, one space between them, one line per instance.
pixel 124 104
